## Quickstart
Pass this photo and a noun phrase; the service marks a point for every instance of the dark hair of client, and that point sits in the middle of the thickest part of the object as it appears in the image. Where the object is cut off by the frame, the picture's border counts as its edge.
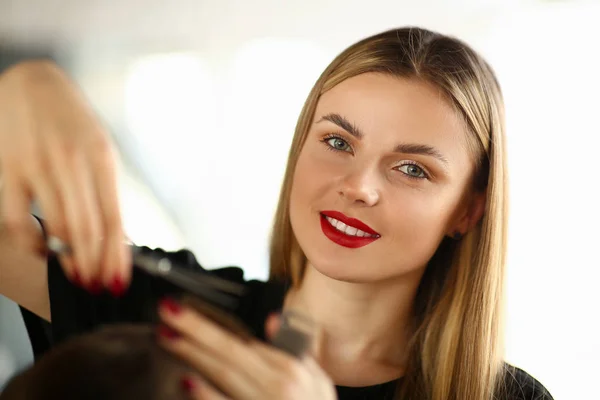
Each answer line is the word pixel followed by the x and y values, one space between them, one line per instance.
pixel 116 362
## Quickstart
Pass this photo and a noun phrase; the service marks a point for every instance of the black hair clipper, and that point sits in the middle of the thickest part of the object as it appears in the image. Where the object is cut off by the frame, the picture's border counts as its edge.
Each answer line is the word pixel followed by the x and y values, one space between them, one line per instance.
pixel 215 297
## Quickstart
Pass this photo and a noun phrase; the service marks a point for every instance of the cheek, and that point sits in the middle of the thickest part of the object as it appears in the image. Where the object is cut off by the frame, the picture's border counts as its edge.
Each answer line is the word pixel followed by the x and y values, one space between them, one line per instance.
pixel 312 189
pixel 426 212
pixel 419 222
pixel 312 178
pixel 302 186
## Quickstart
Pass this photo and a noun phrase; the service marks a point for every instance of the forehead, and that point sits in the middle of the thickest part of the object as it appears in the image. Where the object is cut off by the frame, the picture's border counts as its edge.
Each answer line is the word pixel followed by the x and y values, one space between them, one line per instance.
pixel 396 109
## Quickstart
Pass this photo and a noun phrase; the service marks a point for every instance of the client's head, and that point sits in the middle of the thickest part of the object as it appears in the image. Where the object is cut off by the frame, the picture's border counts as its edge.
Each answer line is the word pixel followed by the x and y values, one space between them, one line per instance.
pixel 117 362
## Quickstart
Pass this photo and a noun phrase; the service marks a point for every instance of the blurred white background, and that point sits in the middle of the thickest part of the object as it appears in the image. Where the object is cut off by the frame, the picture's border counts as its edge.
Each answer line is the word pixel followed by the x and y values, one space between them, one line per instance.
pixel 202 98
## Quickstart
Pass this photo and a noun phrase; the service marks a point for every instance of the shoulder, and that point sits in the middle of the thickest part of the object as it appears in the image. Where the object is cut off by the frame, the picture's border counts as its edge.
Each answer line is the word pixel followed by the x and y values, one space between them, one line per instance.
pixel 519 385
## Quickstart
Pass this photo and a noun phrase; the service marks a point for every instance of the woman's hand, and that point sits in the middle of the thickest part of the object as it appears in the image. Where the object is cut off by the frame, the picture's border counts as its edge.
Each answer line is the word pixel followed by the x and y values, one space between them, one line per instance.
pixel 54 150
pixel 237 369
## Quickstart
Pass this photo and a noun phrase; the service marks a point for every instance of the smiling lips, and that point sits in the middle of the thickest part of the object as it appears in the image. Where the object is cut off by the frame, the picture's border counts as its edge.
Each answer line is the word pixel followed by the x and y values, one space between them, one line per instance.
pixel 346 231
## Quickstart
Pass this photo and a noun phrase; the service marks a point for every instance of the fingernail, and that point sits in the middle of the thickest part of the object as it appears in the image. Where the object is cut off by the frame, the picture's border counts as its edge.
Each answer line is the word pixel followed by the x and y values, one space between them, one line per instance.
pixel 274 315
pixel 167 333
pixel 170 305
pixel 117 287
pixel 95 287
pixel 76 279
pixel 188 384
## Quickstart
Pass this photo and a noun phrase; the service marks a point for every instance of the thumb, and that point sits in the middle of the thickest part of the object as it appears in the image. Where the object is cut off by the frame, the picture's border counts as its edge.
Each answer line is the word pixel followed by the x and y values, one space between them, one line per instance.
pixel 15 218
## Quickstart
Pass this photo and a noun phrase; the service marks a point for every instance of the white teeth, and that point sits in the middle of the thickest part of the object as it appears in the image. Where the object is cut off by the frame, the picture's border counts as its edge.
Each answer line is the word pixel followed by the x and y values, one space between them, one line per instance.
pixel 351 231
pixel 348 230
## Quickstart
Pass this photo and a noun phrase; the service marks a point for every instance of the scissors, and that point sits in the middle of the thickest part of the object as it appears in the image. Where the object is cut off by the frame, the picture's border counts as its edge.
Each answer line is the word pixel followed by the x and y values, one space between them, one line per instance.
pixel 296 330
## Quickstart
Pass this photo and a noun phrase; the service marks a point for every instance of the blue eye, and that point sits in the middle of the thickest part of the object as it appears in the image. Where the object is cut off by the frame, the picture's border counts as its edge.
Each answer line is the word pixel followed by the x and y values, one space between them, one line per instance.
pixel 337 143
pixel 413 171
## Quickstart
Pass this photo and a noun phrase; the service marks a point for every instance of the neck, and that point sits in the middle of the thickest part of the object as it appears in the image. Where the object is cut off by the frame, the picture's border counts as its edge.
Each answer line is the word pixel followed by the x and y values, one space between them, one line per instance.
pixel 362 326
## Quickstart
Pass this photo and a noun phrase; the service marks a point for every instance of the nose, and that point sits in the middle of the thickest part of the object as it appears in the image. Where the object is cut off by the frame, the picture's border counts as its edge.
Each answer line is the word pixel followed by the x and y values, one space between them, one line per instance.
pixel 360 187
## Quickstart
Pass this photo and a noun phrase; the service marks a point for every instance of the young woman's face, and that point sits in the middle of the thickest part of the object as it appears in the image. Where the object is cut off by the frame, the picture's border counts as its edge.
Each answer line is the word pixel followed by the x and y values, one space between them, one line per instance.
pixel 386 162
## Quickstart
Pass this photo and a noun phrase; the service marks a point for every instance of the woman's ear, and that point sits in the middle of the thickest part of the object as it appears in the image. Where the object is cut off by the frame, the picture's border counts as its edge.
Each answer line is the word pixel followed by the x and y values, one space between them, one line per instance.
pixel 477 208
pixel 472 215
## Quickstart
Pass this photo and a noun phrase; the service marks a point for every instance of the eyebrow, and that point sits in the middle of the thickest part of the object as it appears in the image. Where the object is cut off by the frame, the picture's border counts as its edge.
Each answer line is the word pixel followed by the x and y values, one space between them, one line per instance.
pixel 406 148
pixel 343 123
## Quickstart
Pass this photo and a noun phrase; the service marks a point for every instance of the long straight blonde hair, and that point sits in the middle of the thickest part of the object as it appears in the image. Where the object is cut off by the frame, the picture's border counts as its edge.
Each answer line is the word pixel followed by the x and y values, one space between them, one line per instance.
pixel 456 348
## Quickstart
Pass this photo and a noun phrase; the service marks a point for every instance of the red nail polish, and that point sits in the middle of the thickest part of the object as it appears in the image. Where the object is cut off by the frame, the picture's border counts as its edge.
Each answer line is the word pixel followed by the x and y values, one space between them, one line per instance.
pixel 167 333
pixel 187 384
pixel 76 279
pixel 274 315
pixel 117 287
pixel 170 305
pixel 95 287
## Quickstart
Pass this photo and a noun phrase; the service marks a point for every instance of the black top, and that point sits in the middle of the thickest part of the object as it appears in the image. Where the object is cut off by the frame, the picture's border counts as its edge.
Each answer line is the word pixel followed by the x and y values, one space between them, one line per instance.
pixel 75 311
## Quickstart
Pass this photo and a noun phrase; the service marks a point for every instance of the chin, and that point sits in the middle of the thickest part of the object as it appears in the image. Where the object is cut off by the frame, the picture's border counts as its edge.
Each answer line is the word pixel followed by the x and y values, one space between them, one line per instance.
pixel 356 271
pixel 344 273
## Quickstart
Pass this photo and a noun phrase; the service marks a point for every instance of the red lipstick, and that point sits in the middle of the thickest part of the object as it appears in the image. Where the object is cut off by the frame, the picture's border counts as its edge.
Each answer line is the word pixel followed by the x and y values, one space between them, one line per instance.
pixel 342 238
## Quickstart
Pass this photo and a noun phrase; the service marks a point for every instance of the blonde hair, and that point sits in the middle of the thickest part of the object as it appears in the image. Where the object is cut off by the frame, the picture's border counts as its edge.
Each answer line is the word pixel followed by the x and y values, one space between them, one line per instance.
pixel 456 348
